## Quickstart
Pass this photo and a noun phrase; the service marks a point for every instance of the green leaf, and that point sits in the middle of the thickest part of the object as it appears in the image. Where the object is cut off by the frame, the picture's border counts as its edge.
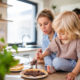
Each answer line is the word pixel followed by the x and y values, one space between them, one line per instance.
pixel 15 47
pixel 2 40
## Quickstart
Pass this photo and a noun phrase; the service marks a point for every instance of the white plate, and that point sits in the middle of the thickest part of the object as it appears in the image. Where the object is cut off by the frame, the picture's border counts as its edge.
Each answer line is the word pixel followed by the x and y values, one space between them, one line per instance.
pixel 32 77
pixel 16 71
pixel 17 68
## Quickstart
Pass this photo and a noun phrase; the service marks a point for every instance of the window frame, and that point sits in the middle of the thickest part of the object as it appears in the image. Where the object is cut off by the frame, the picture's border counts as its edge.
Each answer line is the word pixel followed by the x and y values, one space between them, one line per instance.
pixel 36 9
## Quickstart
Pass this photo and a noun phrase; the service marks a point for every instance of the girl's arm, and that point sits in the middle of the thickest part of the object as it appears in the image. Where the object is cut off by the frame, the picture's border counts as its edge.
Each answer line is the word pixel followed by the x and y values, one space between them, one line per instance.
pixel 45 53
pixel 51 48
pixel 75 72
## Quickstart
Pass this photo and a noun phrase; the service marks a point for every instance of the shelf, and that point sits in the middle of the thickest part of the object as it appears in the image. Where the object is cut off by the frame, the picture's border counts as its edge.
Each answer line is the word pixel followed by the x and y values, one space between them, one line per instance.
pixel 4 5
pixel 3 20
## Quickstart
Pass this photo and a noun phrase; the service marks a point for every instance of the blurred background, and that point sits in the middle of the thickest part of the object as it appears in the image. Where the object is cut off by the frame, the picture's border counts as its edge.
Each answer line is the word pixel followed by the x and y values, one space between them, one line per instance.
pixel 18 19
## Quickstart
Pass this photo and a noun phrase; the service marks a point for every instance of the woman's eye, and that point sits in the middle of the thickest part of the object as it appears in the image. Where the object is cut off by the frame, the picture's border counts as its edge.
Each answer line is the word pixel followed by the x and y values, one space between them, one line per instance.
pixel 40 25
pixel 46 23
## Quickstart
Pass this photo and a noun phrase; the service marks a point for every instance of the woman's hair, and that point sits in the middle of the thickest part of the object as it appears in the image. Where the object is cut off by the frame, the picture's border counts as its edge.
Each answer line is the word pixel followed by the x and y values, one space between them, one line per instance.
pixel 46 13
pixel 68 22
pixel 77 11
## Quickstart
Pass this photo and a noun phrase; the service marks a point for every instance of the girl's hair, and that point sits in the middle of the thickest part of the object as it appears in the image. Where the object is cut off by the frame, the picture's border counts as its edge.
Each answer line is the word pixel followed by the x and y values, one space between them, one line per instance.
pixel 68 22
pixel 46 13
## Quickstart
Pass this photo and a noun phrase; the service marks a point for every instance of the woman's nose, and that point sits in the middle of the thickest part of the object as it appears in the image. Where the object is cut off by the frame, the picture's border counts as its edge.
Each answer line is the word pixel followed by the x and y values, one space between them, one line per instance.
pixel 43 27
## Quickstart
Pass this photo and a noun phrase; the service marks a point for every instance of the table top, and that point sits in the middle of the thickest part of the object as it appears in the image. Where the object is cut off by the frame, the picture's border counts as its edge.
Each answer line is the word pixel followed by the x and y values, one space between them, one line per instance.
pixel 54 76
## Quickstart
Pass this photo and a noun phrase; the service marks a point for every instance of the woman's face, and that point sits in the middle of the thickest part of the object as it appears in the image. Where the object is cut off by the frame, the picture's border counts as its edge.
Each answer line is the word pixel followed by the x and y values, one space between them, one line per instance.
pixel 45 25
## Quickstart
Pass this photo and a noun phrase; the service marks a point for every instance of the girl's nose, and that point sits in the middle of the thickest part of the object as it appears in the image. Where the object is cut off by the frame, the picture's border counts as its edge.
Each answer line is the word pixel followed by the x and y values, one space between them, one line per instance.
pixel 59 36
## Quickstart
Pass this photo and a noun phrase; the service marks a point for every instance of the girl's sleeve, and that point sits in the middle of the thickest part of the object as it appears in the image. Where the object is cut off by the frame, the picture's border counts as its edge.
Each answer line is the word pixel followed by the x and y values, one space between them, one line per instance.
pixel 52 46
pixel 78 48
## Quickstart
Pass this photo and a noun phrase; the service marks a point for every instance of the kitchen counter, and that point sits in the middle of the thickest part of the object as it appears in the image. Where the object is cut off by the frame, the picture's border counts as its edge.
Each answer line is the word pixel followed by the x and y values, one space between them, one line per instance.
pixel 25 49
pixel 55 76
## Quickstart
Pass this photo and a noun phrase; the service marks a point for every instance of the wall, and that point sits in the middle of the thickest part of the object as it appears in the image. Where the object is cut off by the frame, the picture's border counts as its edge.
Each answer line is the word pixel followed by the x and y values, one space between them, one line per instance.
pixel 70 7
pixel 62 3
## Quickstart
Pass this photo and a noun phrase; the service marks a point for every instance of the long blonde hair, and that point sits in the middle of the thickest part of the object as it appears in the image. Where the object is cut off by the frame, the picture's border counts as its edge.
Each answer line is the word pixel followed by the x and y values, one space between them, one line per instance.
pixel 68 22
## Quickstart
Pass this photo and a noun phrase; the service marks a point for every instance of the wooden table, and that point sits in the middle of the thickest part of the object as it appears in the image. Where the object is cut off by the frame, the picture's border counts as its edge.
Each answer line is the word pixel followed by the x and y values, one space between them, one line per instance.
pixel 54 76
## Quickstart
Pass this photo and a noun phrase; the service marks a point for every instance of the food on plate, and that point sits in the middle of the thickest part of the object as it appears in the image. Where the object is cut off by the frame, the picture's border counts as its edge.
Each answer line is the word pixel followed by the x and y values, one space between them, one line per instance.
pixel 34 73
pixel 18 67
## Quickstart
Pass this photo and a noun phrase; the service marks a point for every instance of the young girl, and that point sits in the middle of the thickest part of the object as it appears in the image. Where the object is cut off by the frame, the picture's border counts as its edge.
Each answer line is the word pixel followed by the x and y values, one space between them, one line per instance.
pixel 66 44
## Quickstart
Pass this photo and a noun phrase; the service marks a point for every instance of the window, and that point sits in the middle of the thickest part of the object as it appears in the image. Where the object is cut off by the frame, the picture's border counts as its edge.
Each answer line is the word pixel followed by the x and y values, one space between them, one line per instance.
pixel 23 27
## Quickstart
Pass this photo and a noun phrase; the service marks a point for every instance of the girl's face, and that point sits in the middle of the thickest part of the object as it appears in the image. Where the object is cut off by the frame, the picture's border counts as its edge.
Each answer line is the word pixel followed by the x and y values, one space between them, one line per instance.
pixel 45 25
pixel 62 36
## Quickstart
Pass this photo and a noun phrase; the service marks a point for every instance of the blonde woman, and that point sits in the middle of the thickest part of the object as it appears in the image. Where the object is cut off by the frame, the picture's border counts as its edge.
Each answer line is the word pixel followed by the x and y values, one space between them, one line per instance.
pixel 44 20
pixel 66 44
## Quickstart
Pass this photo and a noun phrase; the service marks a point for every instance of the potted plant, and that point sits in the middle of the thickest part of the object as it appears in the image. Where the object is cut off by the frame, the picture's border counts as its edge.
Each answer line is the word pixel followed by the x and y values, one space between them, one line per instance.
pixel 6 59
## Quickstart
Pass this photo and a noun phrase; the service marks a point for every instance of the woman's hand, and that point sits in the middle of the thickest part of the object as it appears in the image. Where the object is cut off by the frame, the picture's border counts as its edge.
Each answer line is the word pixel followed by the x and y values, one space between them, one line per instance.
pixel 39 56
pixel 71 76
pixel 39 53
pixel 39 50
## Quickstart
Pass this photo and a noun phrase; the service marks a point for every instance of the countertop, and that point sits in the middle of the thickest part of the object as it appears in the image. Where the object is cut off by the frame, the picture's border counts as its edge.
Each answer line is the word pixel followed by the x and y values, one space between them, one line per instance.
pixel 54 76
pixel 23 49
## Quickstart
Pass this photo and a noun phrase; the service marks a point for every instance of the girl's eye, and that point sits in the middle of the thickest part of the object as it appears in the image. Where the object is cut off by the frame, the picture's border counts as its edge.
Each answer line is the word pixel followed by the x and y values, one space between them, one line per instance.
pixel 62 34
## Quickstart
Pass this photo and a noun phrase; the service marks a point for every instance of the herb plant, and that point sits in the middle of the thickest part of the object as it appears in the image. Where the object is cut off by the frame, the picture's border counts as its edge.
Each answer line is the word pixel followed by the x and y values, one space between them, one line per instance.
pixel 6 59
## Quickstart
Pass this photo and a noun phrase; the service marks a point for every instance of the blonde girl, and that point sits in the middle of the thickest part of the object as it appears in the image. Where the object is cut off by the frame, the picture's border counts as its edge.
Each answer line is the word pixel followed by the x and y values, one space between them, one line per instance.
pixel 66 44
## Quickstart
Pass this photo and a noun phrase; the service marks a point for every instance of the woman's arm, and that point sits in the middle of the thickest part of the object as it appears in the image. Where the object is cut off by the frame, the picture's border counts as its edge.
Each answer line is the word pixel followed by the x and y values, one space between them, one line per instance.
pixel 75 72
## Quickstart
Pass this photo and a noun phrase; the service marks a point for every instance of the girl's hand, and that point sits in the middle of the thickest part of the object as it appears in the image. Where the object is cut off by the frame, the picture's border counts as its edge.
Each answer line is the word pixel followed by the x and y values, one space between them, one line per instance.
pixel 71 76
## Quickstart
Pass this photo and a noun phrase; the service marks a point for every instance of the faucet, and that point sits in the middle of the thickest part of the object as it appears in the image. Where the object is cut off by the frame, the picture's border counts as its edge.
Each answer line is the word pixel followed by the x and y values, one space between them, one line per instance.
pixel 24 43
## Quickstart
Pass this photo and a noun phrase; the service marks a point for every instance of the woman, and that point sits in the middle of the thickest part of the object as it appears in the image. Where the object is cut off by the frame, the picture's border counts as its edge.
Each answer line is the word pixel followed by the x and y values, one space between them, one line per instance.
pixel 45 19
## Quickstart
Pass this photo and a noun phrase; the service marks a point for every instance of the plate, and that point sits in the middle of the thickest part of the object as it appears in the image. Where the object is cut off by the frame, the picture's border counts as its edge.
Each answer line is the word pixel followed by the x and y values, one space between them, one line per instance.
pixel 16 71
pixel 23 75
pixel 17 68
